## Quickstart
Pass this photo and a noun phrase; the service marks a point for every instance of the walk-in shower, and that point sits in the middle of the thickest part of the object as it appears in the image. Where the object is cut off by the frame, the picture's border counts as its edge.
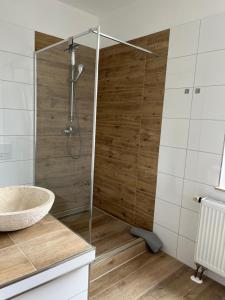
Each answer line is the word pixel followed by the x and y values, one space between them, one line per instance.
pixel 66 105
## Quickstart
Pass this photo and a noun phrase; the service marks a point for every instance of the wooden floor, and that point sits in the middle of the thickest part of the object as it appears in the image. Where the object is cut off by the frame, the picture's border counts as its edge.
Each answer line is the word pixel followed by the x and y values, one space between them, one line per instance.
pixel 107 234
pixel 134 273
pixel 153 277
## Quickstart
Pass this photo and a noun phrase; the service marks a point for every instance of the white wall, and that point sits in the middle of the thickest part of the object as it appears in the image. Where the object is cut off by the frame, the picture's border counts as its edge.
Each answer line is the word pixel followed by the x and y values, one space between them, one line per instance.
pixel 16 105
pixel 48 16
pixel 192 133
pixel 147 16
pixel 18 21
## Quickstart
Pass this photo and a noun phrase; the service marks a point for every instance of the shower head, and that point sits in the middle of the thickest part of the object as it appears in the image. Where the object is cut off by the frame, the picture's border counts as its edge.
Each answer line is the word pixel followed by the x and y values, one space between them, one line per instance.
pixel 80 69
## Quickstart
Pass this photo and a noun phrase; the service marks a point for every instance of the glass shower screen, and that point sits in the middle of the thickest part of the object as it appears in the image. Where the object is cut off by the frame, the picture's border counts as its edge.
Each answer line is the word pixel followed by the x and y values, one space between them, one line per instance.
pixel 66 93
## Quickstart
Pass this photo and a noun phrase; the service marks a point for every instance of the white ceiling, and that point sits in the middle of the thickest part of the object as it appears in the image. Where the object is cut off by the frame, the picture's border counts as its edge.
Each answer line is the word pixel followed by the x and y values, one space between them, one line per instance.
pixel 98 7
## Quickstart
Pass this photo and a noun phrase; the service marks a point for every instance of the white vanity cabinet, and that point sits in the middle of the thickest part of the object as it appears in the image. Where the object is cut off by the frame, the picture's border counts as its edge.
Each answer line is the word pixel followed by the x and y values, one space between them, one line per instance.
pixel 68 280
pixel 73 285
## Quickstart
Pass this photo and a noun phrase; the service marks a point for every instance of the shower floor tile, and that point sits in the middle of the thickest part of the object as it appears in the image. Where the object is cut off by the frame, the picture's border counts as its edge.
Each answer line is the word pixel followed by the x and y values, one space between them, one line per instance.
pixel 107 234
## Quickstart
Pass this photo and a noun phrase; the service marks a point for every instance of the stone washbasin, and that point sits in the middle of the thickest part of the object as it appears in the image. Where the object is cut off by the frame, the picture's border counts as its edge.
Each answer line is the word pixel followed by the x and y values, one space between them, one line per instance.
pixel 23 206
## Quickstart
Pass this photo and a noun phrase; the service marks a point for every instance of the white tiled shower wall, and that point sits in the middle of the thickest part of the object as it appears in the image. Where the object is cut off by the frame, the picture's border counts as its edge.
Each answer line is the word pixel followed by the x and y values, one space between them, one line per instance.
pixel 193 130
pixel 16 105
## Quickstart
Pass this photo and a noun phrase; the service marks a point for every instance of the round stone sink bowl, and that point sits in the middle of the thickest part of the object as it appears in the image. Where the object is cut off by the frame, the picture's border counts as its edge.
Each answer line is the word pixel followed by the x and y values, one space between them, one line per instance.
pixel 23 206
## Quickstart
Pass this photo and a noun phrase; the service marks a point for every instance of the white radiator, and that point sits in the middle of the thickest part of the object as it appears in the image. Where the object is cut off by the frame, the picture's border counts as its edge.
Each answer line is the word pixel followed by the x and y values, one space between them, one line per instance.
pixel 210 246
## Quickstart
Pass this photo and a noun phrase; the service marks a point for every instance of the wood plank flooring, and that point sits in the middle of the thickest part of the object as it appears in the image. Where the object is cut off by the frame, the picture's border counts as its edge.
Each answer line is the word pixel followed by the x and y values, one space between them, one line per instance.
pixel 134 273
pixel 153 277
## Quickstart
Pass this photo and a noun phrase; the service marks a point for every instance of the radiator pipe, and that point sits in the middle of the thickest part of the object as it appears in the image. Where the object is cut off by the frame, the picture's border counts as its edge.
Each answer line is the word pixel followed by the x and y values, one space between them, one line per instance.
pixel 196 270
pixel 201 273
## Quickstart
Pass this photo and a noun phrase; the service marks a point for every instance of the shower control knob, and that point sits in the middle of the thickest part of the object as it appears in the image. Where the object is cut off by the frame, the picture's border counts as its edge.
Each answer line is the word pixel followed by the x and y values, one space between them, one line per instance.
pixel 69 130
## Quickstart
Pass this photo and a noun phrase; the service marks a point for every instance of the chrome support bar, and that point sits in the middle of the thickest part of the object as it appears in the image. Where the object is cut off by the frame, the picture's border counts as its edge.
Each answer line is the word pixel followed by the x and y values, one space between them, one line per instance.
pixel 125 43
pixel 66 40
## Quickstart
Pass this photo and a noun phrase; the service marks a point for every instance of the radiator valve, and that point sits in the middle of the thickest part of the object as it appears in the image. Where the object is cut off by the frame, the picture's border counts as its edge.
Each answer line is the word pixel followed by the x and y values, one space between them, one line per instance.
pixel 198 199
pixel 199 271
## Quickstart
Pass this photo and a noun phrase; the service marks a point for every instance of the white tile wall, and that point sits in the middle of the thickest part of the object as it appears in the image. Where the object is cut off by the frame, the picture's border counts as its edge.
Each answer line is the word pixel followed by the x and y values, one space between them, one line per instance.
pixel 174 132
pixel 16 173
pixel 210 68
pixel 172 161
pixel 186 251
pixel 203 167
pixel 187 35
pixel 16 39
pixel 177 104
pixel 169 188
pixel 180 72
pixel 193 130
pixel 212 29
pixel 209 104
pixel 192 188
pixel 14 67
pixel 16 95
pixel 19 147
pixel 167 215
pixel 16 105
pixel 16 122
pixel 169 239
pixel 206 135
pixel 188 224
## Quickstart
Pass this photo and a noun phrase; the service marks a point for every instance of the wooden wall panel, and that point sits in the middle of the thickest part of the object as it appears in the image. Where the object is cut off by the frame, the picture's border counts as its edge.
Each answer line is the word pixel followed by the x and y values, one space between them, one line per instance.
pixel 68 178
pixel 43 40
pixel 130 102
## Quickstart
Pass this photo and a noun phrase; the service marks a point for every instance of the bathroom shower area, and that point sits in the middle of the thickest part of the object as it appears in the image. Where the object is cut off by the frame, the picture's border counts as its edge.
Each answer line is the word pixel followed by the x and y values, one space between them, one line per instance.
pixel 99 107
pixel 65 85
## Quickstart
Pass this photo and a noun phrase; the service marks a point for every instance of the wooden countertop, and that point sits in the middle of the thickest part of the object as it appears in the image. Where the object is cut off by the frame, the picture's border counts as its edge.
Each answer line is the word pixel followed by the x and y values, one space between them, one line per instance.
pixel 29 251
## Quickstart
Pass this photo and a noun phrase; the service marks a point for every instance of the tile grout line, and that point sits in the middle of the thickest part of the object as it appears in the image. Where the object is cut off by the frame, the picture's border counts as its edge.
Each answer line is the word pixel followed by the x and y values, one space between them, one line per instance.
pixel 130 274
pixel 139 137
pixel 186 179
pixel 189 149
pixel 174 232
pixel 197 52
pixel 16 109
pixel 191 87
pixel 123 263
pixel 163 277
pixel 188 139
pixel 194 119
pixel 18 54
pixel 21 251
pixel 177 205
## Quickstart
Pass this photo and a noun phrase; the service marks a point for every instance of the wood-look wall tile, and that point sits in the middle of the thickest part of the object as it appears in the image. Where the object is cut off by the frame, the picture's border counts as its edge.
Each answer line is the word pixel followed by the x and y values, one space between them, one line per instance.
pixel 146 181
pixel 53 123
pixel 43 40
pixel 69 179
pixel 148 160
pixel 149 140
pixel 153 94
pixel 130 102
pixel 117 169
pixel 132 120
pixel 61 167
pixel 56 145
